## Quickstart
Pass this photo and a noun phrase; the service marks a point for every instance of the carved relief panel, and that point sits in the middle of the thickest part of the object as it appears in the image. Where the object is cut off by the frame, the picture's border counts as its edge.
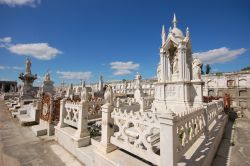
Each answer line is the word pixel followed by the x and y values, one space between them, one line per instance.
pixel 46 104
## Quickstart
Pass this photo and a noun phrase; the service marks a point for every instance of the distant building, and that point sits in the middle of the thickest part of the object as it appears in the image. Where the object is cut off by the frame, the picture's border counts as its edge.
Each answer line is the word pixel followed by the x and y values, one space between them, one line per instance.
pixel 236 84
pixel 8 86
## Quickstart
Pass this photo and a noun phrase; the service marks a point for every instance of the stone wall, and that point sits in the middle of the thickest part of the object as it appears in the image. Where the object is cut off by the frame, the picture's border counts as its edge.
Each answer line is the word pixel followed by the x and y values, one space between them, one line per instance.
pixel 237 85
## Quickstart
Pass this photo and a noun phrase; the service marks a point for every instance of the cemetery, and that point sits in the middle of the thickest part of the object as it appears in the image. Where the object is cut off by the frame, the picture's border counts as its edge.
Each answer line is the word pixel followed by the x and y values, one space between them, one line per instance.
pixel 177 119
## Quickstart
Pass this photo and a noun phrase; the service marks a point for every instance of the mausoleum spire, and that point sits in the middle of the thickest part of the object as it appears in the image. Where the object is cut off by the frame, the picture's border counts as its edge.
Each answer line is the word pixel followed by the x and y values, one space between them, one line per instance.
pixel 163 35
pixel 174 21
pixel 187 32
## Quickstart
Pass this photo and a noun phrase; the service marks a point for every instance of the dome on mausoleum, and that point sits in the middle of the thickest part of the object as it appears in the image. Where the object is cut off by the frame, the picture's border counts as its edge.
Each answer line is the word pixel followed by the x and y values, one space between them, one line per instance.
pixel 176 31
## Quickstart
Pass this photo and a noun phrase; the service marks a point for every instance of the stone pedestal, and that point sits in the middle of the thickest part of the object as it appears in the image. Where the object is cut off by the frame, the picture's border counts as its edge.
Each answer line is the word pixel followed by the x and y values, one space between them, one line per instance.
pixel 168 139
pixel 177 96
pixel 82 127
pixel 63 113
pixel 107 129
pixel 27 78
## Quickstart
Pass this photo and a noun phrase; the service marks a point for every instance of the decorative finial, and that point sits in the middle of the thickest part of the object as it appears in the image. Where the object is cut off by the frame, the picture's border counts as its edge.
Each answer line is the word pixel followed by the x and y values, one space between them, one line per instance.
pixel 163 35
pixel 169 30
pixel 174 21
pixel 187 32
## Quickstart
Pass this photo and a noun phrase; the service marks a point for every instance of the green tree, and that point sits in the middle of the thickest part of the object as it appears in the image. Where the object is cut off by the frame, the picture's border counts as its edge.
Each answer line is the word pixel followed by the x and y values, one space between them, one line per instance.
pixel 208 69
pixel 202 72
pixel 245 68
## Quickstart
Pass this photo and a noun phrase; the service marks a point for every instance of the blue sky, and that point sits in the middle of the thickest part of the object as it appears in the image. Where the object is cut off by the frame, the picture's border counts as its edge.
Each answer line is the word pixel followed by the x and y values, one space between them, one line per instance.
pixel 116 38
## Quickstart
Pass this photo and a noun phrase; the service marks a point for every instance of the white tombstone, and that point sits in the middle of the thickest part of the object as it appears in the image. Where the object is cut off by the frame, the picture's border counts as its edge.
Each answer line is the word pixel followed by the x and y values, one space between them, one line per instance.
pixel 178 87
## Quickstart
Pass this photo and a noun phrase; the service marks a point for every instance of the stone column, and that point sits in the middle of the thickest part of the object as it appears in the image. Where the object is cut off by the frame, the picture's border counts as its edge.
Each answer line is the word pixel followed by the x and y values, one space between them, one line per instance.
pixel 168 137
pixel 107 129
pixel 169 67
pixel 38 108
pixel 82 126
pixel 181 53
pixel 63 113
pixel 50 127
pixel 163 65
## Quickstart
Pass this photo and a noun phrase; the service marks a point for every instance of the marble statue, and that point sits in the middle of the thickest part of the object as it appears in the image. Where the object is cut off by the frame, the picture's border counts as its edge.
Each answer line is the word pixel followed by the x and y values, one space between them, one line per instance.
pixel 28 66
pixel 108 95
pixel 196 69
pixel 138 81
pixel 175 65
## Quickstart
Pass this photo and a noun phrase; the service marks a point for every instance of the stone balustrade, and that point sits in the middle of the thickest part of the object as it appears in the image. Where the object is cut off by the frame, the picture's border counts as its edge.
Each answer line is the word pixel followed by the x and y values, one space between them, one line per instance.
pixel 72 109
pixel 137 133
pixel 161 138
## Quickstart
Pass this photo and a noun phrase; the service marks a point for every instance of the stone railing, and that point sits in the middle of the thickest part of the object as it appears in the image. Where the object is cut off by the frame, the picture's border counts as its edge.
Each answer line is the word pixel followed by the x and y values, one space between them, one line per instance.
pixel 74 114
pixel 195 122
pixel 190 126
pixel 94 110
pixel 146 103
pixel 138 133
pixel 213 109
pixel 161 138
pixel 72 109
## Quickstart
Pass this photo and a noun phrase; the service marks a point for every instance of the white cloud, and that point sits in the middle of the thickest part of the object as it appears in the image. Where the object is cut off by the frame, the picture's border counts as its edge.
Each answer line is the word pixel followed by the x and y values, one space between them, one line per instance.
pixel 4 42
pixel 40 51
pixel 2 67
pixel 74 75
pixel 10 67
pixel 17 68
pixel 13 3
pixel 6 39
pixel 122 72
pixel 123 68
pixel 219 55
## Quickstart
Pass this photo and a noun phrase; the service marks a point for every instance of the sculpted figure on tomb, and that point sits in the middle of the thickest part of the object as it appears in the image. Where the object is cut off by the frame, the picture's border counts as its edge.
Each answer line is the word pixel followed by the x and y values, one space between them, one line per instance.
pixel 108 95
pixel 175 65
pixel 28 66
pixel 138 81
pixel 196 69
pixel 39 92
pixel 47 77
pixel 84 94
pixel 159 72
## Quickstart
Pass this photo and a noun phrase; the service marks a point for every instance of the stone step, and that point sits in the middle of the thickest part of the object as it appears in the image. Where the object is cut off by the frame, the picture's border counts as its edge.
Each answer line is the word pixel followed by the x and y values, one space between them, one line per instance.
pixel 39 130
pixel 26 120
